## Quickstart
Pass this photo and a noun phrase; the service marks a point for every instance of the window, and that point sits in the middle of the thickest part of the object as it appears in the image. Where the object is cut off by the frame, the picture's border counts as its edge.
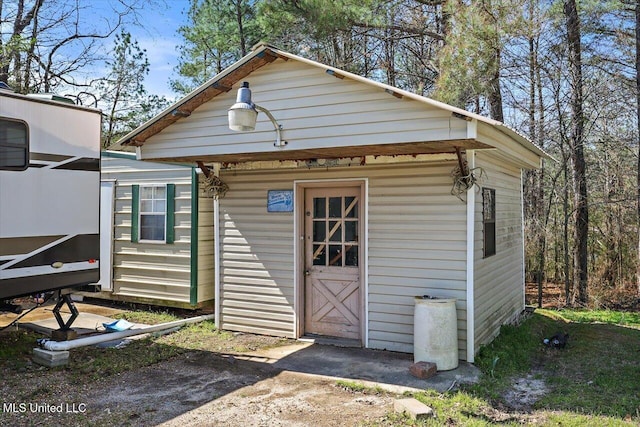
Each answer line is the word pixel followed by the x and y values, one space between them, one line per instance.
pixel 153 206
pixel 152 213
pixel 489 221
pixel 14 145
pixel 335 231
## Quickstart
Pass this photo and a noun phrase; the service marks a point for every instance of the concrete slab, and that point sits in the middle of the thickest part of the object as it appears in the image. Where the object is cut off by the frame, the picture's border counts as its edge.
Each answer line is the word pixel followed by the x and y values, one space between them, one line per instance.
pixel 85 324
pixel 44 313
pixel 386 369
pixel 414 408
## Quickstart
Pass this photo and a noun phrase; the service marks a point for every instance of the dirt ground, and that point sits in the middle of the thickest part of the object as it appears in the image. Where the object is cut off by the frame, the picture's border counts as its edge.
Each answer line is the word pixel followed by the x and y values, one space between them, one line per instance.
pixel 197 388
pixel 194 389
pixel 201 388
pixel 210 390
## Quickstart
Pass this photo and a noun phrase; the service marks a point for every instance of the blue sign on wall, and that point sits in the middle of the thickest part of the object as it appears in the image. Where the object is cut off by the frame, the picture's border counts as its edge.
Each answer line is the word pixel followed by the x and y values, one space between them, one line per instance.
pixel 280 201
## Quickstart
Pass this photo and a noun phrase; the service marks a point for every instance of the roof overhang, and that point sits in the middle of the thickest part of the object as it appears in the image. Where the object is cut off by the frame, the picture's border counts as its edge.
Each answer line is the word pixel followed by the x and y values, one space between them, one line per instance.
pixel 411 148
pixel 221 83
pixel 266 54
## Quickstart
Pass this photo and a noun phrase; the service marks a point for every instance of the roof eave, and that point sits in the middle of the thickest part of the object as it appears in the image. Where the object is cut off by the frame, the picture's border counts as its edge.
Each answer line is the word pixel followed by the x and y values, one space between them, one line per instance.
pixel 220 83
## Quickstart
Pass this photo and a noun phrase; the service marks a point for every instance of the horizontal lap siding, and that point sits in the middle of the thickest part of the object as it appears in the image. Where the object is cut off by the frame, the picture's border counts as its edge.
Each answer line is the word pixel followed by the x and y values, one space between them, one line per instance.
pixel 416 247
pixel 150 270
pixel 206 269
pixel 316 110
pixel 257 288
pixel 417 234
pixel 499 287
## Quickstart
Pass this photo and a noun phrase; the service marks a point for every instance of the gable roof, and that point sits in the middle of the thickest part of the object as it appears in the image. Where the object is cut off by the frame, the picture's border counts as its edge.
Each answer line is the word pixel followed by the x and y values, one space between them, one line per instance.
pixel 265 54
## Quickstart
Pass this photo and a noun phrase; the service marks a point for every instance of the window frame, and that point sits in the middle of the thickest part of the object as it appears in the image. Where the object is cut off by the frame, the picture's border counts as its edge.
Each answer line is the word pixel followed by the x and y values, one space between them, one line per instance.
pixel 26 146
pixel 489 244
pixel 141 213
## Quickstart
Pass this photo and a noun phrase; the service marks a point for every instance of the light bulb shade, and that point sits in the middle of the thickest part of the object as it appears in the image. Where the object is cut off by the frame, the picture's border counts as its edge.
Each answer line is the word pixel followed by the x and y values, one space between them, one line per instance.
pixel 243 114
pixel 242 119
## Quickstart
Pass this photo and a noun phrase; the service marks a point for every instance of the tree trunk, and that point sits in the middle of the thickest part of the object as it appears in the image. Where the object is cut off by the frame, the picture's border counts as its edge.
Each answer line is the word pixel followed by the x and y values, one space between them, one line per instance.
pixel 565 232
pixel 243 41
pixel 577 148
pixel 638 124
pixel 495 93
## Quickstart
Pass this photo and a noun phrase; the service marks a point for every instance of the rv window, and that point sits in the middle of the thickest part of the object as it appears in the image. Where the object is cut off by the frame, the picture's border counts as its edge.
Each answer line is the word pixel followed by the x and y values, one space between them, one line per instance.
pixel 153 200
pixel 14 146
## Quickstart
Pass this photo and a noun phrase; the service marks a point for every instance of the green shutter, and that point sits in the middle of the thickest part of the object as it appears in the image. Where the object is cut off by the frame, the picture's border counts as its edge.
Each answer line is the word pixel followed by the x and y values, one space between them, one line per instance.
pixel 135 212
pixel 193 294
pixel 171 209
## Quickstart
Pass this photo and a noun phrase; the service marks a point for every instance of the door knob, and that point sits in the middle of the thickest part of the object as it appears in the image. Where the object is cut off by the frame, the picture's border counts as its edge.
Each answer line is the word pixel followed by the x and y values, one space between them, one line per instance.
pixel 307 272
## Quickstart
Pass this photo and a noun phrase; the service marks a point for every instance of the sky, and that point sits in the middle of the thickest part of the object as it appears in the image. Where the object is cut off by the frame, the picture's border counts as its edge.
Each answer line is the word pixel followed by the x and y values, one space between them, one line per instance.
pixel 159 37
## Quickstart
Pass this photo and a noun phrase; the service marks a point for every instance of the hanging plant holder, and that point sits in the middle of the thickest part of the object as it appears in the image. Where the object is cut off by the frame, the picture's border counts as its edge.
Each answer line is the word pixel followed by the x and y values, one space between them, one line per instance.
pixel 213 184
pixel 463 177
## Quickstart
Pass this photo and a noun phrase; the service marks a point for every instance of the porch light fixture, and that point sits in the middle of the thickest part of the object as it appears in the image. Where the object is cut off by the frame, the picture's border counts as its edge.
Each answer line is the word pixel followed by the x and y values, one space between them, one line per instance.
pixel 243 115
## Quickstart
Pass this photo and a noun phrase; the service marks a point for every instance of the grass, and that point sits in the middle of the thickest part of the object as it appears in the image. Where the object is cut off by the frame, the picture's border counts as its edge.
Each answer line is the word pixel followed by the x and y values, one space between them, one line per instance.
pixel 594 381
pixel 357 387
pixel 147 317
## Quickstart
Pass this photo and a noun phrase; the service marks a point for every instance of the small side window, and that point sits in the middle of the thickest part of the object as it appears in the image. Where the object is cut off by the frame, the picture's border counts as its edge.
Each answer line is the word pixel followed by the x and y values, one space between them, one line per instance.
pixel 14 145
pixel 153 203
pixel 489 221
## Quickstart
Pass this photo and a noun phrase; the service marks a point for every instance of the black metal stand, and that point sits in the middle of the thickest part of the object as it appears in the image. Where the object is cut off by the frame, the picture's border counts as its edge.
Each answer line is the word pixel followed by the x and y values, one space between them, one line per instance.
pixel 65 299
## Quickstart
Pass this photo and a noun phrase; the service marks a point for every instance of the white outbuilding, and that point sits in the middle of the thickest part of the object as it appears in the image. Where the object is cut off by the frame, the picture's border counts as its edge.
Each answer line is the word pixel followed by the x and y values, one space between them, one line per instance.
pixel 349 199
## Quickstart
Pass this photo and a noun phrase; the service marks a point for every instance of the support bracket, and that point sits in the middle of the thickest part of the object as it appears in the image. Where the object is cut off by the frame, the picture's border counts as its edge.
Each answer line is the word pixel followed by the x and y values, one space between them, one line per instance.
pixel 65 299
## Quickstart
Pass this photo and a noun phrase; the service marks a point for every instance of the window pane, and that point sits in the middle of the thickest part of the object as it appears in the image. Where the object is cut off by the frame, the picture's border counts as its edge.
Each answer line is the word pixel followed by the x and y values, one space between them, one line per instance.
pixel 320 254
pixel 335 231
pixel 489 221
pixel 351 256
pixel 335 207
pixel 489 238
pixel 14 153
pixel 12 157
pixel 159 192
pixel 152 227
pixel 319 231
pixel 488 204
pixel 335 255
pixel 13 133
pixel 159 206
pixel 351 231
pixel 319 207
pixel 146 193
pixel 146 206
pixel 351 207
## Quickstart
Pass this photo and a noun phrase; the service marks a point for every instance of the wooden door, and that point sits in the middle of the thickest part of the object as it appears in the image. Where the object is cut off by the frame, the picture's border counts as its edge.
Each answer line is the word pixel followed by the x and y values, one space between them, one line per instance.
pixel 333 294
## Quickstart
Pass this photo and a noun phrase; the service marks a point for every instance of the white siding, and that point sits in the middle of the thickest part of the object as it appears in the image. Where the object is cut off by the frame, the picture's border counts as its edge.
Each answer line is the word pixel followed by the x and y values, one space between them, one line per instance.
pixel 257 284
pixel 316 111
pixel 157 272
pixel 416 246
pixel 499 287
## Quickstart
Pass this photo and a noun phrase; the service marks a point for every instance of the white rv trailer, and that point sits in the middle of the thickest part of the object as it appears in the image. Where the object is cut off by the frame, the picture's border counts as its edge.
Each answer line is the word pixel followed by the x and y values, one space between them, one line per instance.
pixel 49 194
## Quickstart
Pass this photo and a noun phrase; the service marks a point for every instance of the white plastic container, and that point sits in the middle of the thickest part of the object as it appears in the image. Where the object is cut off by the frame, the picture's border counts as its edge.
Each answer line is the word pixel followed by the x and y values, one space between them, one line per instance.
pixel 435 332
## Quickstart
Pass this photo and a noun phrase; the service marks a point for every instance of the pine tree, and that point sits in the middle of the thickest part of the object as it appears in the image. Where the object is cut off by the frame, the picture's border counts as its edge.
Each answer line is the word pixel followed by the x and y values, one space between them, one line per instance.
pixel 219 33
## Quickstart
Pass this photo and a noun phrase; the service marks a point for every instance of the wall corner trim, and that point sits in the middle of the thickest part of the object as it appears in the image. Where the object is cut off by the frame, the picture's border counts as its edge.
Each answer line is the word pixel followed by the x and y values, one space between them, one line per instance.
pixel 471 202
